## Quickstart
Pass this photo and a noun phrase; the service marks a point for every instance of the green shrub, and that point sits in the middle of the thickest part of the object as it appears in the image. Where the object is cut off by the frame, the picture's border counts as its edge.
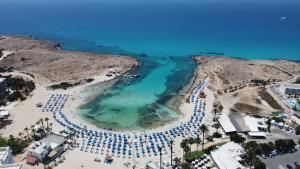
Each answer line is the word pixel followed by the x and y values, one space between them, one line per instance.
pixel 3 142
pixel 217 135
pixel 258 164
pixel 237 138
pixel 16 144
pixel 63 85
pixel 191 156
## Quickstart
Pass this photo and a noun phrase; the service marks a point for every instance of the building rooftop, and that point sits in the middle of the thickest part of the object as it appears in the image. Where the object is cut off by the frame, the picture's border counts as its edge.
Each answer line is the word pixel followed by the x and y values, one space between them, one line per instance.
pixel 4 154
pixel 4 151
pixel 257 134
pixel 294 86
pixel 238 121
pixel 252 123
pixel 226 124
pixel 46 144
pixel 53 140
pixel 228 156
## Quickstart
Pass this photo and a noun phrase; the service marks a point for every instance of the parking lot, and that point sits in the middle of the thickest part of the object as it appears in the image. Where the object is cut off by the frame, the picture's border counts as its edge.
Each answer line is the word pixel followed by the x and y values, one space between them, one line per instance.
pixel 281 161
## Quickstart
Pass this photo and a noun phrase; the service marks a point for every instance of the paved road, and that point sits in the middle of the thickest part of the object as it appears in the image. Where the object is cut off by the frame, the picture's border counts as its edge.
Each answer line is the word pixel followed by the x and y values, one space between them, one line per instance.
pixel 280 162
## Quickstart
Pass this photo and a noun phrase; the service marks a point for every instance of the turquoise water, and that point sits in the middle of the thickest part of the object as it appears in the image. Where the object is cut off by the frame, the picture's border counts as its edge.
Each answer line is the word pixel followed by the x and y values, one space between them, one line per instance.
pixel 122 107
pixel 163 35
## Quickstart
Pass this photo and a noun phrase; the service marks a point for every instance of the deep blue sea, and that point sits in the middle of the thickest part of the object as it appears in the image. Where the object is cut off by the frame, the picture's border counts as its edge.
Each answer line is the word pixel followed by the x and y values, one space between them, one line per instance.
pixel 163 35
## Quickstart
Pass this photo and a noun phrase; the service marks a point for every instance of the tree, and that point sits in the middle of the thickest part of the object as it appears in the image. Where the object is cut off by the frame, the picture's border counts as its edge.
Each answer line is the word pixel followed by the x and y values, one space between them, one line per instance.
pixel 190 140
pixel 11 139
pixel 50 124
pixel 42 122
pixel 251 157
pixel 26 130
pixel 258 164
pixel 198 141
pixel 47 120
pixel 285 145
pixel 203 128
pixel 220 107
pixel 3 142
pixel 217 135
pixel 184 146
pixel 253 146
pixel 177 161
pixel 215 113
pixel 237 138
pixel 185 166
pixel 266 148
pixel 216 125
pixel 33 131
pixel 20 135
pixel 16 144
pixel 16 95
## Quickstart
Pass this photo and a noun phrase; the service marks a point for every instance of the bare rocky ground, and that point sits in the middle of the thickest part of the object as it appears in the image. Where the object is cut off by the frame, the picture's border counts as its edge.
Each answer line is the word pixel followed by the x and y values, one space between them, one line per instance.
pixel 230 78
pixel 50 64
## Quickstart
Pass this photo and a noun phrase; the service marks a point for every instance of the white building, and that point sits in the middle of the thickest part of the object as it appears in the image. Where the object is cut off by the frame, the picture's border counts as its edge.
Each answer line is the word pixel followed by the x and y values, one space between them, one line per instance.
pixel 229 156
pixel 6 159
pixel 290 89
pixel 41 149
pixel 5 156
pixel 256 127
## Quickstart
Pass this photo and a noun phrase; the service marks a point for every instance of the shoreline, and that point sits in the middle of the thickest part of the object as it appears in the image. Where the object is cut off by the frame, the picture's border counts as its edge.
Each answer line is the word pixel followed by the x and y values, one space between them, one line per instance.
pixel 178 102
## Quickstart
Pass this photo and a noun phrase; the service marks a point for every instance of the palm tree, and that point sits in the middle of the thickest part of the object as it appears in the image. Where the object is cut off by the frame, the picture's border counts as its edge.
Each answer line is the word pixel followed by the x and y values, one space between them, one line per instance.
pixel 50 124
pixel 38 124
pixel 47 129
pixel 183 145
pixel 186 150
pixel 220 108
pixel 11 138
pixel 198 141
pixel 215 113
pixel 20 135
pixel 33 131
pixel 203 128
pixel 26 130
pixel 177 161
pixel 47 120
pixel 42 121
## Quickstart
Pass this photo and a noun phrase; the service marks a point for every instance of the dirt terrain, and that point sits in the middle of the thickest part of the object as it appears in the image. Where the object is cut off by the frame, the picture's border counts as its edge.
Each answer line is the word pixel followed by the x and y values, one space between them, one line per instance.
pixel 231 80
pixel 50 64
pixel 224 72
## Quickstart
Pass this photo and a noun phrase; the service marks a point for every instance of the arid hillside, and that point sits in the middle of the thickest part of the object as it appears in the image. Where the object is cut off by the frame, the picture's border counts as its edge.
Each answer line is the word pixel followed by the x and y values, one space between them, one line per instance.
pixel 50 64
